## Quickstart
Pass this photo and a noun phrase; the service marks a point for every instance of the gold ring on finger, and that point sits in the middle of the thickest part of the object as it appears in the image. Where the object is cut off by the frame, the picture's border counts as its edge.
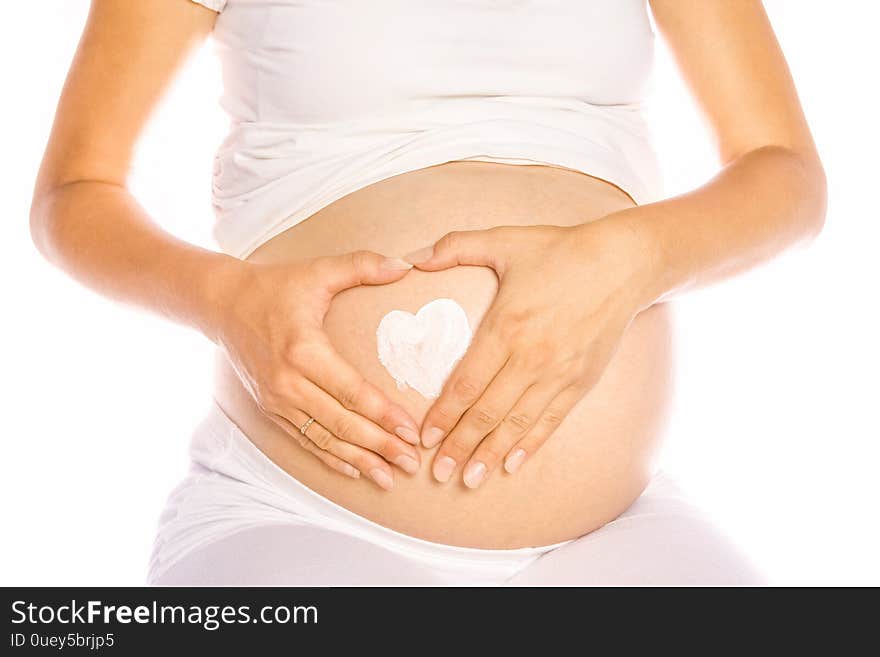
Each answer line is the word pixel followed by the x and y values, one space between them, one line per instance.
pixel 306 425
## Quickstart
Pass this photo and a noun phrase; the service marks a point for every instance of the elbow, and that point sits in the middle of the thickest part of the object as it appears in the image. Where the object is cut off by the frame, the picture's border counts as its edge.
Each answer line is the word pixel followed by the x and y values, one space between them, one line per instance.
pixel 49 221
pixel 816 198
pixel 41 224
pixel 51 217
pixel 809 189
pixel 799 183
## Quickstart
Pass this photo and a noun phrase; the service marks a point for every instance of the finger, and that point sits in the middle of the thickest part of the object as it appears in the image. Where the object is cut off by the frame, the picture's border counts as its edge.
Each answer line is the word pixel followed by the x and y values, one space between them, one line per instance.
pixel 328 458
pixel 350 459
pixel 483 360
pixel 462 247
pixel 541 431
pixel 511 430
pixel 478 421
pixel 357 430
pixel 339 379
pixel 363 459
pixel 341 272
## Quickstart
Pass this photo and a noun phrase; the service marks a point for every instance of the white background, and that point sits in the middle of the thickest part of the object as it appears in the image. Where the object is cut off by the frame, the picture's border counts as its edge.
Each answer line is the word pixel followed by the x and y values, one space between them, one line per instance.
pixel 775 427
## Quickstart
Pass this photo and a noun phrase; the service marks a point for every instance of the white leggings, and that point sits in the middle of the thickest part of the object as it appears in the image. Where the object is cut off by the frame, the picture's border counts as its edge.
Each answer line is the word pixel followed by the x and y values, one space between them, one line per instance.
pixel 238 519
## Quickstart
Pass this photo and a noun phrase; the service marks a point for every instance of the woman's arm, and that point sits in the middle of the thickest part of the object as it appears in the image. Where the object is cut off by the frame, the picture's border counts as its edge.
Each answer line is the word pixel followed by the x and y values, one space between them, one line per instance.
pixel 771 192
pixel 540 350
pixel 83 218
pixel 267 319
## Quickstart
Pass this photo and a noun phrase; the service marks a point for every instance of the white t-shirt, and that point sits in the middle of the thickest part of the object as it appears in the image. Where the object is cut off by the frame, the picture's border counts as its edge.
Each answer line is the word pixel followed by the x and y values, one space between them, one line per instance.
pixel 328 96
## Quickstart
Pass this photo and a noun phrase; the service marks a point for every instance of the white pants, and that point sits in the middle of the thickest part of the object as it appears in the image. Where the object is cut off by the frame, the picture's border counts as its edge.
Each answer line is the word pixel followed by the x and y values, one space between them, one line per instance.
pixel 238 519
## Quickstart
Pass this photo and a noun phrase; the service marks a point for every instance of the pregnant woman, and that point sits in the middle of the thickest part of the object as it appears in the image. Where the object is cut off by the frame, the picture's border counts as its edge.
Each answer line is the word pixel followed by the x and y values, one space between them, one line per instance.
pixel 441 302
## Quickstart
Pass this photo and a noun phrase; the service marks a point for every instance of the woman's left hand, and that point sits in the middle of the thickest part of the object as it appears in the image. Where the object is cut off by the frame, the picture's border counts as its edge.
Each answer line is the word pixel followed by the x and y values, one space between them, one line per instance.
pixel 565 298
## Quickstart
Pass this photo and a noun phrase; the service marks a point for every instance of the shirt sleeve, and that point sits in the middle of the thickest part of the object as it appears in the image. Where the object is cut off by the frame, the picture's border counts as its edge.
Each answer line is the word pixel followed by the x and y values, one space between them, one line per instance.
pixel 216 5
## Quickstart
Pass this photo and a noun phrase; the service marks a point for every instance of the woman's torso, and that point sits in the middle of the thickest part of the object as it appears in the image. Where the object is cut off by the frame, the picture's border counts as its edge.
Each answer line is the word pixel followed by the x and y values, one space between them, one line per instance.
pixel 599 459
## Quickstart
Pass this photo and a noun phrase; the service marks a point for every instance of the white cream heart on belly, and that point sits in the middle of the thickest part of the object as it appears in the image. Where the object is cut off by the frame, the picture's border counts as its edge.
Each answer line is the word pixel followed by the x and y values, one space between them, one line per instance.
pixel 420 350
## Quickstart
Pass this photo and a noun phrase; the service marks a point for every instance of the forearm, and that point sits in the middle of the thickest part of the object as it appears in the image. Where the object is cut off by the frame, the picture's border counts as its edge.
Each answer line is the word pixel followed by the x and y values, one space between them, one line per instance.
pixel 99 234
pixel 760 204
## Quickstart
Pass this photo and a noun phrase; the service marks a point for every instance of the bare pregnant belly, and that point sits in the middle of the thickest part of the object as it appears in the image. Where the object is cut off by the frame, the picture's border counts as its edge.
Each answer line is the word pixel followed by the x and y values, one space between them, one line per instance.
pixel 599 459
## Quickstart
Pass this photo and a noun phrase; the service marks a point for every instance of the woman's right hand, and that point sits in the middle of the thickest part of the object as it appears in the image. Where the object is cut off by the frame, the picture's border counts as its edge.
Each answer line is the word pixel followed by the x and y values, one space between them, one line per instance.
pixel 270 324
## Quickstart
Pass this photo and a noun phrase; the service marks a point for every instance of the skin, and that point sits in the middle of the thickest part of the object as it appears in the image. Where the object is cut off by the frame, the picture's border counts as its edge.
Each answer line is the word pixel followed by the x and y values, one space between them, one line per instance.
pixel 523 372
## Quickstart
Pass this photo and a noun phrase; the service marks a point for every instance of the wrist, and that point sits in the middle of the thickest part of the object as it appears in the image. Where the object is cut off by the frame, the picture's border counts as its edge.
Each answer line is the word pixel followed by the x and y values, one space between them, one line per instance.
pixel 217 280
pixel 628 240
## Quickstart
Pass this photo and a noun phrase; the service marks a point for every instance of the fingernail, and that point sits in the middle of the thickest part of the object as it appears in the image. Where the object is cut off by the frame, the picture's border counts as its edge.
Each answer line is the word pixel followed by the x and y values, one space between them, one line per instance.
pixel 407 463
pixel 431 437
pixel 443 468
pixel 382 478
pixel 422 255
pixel 474 473
pixel 515 460
pixel 395 264
pixel 350 470
pixel 409 435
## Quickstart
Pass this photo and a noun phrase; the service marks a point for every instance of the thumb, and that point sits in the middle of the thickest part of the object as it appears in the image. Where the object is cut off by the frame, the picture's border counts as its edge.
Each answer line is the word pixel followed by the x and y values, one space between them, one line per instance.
pixel 461 247
pixel 341 272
